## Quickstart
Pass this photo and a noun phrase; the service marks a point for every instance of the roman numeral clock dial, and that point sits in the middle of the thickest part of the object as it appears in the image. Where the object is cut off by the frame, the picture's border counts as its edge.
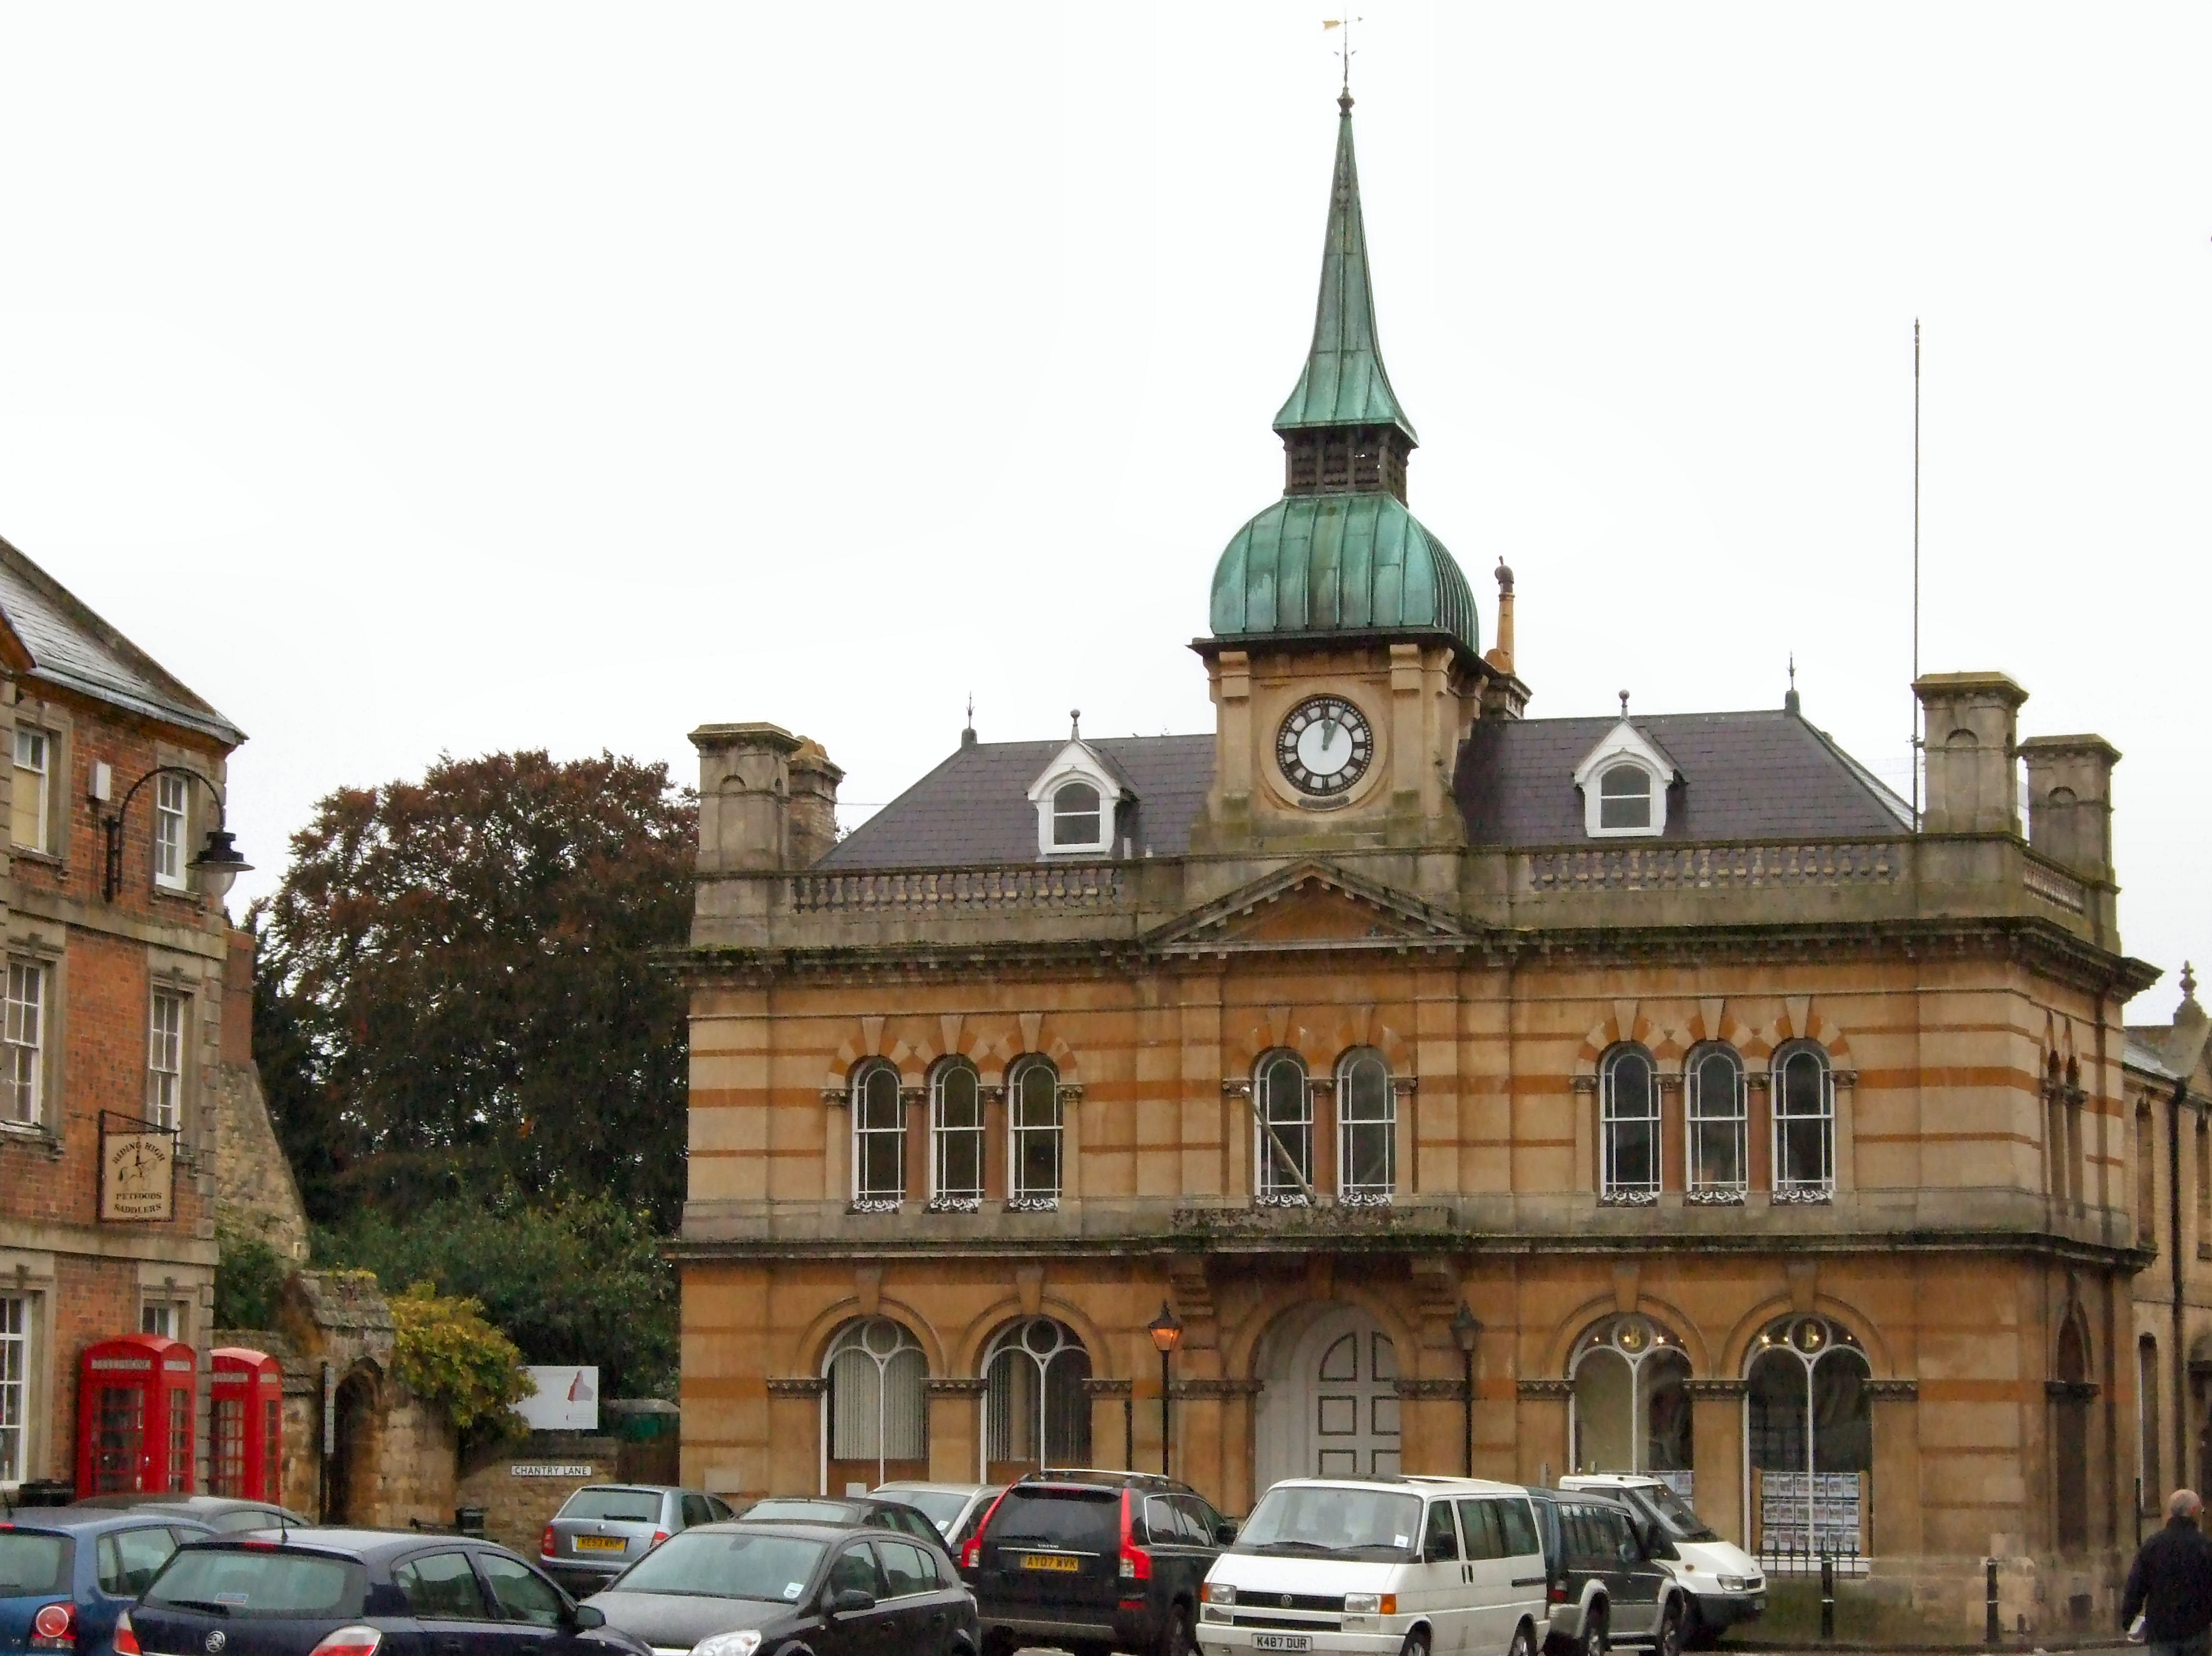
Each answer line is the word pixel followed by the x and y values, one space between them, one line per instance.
pixel 1324 746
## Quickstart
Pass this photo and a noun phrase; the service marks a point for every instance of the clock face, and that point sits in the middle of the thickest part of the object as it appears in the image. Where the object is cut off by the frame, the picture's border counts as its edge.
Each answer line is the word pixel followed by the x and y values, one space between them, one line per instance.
pixel 1325 747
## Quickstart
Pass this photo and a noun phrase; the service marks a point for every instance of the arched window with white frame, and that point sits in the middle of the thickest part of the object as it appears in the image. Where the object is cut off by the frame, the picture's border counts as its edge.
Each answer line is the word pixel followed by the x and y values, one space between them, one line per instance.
pixel 1808 1445
pixel 879 1138
pixel 1283 1129
pixel 1630 1403
pixel 1715 1116
pixel 1628 1117
pixel 1366 1128
pixel 1077 816
pixel 1035 1411
pixel 1804 1124
pixel 1033 1120
pixel 956 1125
pixel 876 1406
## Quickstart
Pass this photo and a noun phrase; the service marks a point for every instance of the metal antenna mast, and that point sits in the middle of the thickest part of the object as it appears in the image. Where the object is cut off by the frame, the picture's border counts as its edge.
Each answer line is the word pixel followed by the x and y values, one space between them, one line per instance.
pixel 1344 51
pixel 1915 748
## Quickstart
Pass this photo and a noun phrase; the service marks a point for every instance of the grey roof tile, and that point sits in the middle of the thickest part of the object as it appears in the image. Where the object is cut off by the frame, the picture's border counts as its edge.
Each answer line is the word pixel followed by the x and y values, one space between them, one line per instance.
pixel 72 648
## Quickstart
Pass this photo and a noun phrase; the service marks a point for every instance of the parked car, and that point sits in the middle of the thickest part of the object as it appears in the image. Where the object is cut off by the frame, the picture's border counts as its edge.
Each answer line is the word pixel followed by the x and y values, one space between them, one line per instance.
pixel 1608 1577
pixel 1093 1562
pixel 68 1573
pixel 604 1528
pixel 360 1592
pixel 1725 1583
pixel 956 1508
pixel 224 1515
pixel 834 1590
pixel 846 1511
pixel 1381 1564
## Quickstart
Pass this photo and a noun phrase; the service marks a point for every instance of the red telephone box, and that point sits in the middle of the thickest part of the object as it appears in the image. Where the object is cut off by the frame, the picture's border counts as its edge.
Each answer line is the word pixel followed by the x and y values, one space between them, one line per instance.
pixel 245 1425
pixel 134 1416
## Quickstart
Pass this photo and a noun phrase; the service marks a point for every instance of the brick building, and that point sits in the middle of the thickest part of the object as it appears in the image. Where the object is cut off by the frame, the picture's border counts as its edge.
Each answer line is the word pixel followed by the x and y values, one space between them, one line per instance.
pixel 114 1044
pixel 1664 1076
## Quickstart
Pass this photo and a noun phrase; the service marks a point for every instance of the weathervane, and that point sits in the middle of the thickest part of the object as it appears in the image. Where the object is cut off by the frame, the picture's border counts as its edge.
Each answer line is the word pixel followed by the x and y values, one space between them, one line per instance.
pixel 1343 52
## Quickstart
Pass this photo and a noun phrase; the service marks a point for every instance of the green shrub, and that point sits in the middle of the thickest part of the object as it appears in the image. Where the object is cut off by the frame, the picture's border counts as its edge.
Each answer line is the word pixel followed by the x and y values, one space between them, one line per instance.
pixel 249 1276
pixel 445 1353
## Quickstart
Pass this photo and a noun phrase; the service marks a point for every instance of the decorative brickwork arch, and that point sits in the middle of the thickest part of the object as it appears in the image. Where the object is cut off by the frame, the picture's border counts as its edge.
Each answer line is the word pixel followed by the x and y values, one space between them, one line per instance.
pixel 1559 1348
pixel 1240 1347
pixel 806 1351
pixel 1737 1348
pixel 1284 1029
pixel 975 1339
pixel 1363 1025
pixel 1802 1021
pixel 1631 1024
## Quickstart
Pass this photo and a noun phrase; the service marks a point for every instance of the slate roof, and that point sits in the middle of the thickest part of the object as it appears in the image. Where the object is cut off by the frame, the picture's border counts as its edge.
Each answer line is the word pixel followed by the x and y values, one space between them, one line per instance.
pixel 1747 775
pixel 72 648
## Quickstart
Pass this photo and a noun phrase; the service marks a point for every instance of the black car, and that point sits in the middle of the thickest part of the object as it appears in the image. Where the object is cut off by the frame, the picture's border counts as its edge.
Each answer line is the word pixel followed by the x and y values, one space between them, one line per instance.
pixel 360 1592
pixel 739 1588
pixel 1607 1576
pixel 1093 1562
pixel 848 1511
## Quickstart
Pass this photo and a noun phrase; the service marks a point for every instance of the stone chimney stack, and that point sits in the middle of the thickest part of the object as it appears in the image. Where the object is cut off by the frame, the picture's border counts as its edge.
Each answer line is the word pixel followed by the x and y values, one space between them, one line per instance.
pixel 811 823
pixel 2069 801
pixel 1970 726
pixel 744 797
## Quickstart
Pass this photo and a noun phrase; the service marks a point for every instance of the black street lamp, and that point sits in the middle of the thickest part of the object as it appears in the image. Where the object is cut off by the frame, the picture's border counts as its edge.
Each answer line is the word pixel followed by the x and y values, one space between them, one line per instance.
pixel 1166 1331
pixel 218 862
pixel 1466 1331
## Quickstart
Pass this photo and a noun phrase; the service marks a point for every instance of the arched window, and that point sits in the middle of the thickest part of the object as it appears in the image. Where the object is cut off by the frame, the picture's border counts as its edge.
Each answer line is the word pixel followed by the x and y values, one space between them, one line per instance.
pixel 1033 1118
pixel 955 1118
pixel 1629 1088
pixel 1367 1128
pixel 1036 1412
pixel 2069 1435
pixel 1804 1124
pixel 1284 1150
pixel 1077 820
pixel 1624 796
pixel 879 1138
pixel 876 1405
pixel 1632 1407
pixel 1718 1157
pixel 2151 1490
pixel 1810 1435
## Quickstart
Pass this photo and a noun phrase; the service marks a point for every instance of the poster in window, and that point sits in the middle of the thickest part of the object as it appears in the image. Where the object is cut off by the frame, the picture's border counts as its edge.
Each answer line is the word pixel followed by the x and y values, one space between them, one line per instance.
pixel 137 1177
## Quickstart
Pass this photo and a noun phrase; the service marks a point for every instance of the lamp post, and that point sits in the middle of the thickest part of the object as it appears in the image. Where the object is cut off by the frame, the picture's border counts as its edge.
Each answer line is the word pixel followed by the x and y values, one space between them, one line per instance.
pixel 1166 1331
pixel 218 862
pixel 1466 1331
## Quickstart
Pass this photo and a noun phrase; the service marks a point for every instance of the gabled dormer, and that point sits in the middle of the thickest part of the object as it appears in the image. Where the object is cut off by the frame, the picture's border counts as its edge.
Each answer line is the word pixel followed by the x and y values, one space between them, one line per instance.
pixel 1078 799
pixel 1624 782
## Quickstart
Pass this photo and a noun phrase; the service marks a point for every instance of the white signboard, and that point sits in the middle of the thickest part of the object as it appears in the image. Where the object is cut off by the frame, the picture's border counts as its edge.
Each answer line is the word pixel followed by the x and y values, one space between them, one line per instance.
pixel 548 1469
pixel 568 1400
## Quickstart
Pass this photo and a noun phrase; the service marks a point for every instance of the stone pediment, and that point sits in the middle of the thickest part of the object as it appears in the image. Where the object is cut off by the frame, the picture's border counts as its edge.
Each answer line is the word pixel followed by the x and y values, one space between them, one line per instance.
pixel 1308 905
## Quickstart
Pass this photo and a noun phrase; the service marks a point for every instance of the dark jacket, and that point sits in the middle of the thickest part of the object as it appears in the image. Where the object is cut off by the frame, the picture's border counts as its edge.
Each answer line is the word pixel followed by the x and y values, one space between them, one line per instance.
pixel 2171 1585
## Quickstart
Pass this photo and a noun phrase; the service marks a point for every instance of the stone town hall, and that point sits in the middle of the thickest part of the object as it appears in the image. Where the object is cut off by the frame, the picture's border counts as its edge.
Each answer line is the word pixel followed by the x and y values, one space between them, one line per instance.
pixel 1744 1131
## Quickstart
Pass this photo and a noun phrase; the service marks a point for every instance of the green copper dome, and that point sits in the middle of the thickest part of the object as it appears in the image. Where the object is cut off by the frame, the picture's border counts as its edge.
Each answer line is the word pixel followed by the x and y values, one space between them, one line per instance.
pixel 1339 563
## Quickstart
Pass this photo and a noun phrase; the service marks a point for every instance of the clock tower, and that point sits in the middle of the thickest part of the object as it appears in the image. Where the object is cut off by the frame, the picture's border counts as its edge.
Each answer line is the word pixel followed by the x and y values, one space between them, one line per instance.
pixel 1343 660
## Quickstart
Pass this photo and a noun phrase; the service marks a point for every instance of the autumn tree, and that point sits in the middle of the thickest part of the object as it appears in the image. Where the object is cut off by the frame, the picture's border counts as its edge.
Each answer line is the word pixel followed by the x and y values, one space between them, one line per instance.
pixel 456 995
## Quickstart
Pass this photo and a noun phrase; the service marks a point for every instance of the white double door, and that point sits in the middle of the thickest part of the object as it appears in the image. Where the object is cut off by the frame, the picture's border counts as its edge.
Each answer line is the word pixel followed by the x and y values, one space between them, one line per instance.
pixel 1348 1374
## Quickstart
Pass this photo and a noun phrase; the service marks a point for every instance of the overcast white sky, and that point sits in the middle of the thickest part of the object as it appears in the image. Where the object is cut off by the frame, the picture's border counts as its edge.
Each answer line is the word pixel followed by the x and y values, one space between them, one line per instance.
pixel 423 378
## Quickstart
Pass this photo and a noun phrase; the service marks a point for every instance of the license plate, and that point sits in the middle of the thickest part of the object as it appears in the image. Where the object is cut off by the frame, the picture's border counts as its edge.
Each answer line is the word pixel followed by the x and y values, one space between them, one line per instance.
pixel 1050 1561
pixel 600 1544
pixel 1760 1603
pixel 1282 1642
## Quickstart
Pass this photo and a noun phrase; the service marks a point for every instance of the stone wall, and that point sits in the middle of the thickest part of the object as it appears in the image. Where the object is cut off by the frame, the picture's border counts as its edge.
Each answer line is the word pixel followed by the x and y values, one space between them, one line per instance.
pixel 255 1193
pixel 517 1508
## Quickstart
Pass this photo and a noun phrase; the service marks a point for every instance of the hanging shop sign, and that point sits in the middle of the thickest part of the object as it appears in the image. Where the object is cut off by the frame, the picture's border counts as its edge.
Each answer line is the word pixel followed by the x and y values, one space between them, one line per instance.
pixel 137 1172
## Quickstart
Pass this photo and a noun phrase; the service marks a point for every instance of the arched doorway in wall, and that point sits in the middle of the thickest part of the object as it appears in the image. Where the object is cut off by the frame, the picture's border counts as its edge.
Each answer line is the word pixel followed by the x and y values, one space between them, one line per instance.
pixel 875 1413
pixel 2069 1439
pixel 350 1494
pixel 1809 1444
pixel 1630 1411
pixel 1036 1412
pixel 1328 1398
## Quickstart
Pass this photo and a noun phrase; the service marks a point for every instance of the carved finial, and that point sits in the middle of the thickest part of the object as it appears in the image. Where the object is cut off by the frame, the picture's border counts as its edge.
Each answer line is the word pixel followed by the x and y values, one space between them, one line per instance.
pixel 967 734
pixel 1075 724
pixel 2188 981
pixel 1345 55
pixel 1791 704
pixel 1624 704
pixel 1504 577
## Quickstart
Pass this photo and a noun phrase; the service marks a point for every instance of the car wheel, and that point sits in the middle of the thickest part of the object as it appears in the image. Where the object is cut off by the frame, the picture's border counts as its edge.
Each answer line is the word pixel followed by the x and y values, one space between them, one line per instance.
pixel 1671 1630
pixel 1175 1638
pixel 1523 1645
pixel 1592 1643
pixel 1416 1643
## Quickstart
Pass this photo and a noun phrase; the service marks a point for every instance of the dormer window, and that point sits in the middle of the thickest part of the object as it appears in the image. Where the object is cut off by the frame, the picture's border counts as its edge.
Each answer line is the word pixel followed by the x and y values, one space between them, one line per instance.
pixel 1076 824
pixel 1624 799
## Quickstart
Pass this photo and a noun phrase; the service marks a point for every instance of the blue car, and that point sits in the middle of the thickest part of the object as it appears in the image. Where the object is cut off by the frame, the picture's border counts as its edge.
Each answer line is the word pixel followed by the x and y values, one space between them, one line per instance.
pixel 67 1572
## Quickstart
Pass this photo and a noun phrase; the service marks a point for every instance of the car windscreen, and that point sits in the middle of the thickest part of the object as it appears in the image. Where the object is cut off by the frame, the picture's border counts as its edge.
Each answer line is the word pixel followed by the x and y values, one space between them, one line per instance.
pixel 1674 1515
pixel 1081 1520
pixel 940 1506
pixel 720 1564
pixel 802 1512
pixel 614 1505
pixel 1295 1519
pixel 33 1561
pixel 259 1580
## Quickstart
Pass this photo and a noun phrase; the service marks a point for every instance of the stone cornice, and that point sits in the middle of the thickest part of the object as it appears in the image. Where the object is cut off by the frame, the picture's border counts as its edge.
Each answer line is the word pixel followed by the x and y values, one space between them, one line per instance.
pixel 1432 1390
pixel 1098 1388
pixel 1561 1389
pixel 798 1386
pixel 1213 1388
pixel 1891 1391
pixel 1715 1391
pixel 955 1388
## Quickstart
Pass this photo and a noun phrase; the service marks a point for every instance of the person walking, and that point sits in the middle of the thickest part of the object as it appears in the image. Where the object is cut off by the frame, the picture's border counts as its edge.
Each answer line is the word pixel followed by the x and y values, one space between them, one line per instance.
pixel 2171 1585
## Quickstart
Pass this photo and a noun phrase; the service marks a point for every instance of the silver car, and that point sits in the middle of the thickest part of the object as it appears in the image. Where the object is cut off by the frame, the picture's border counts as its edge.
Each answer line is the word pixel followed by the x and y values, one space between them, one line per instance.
pixel 955 1508
pixel 604 1528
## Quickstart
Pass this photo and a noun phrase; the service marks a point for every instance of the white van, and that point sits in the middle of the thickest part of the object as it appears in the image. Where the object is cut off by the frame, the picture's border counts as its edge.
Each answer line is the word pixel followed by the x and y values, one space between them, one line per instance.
pixel 1381 1565
pixel 1724 1581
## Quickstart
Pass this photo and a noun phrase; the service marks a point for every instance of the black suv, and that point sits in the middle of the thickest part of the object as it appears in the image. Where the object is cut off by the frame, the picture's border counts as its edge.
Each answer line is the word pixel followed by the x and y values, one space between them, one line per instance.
pixel 1093 1562
pixel 1607 1576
